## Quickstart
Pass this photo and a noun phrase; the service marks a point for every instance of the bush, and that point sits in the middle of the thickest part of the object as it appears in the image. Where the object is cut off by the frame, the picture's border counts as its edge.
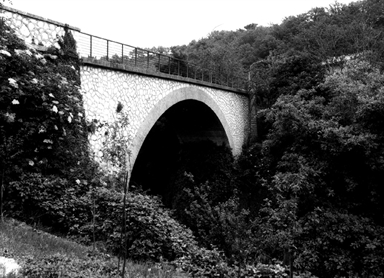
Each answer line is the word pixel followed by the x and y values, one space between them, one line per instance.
pixel 339 244
pixel 60 265
pixel 204 263
pixel 68 207
pixel 45 200
pixel 152 233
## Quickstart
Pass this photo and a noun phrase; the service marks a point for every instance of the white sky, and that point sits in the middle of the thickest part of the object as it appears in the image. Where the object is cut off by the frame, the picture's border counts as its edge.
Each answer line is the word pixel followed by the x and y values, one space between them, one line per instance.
pixel 147 23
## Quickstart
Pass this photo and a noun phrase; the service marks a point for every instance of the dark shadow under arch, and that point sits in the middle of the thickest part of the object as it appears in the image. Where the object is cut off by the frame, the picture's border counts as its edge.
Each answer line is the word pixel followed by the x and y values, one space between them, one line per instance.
pixel 186 122
pixel 179 95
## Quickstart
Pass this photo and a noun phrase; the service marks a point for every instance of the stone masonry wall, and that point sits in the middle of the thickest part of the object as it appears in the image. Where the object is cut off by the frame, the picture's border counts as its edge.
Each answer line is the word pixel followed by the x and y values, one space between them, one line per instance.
pixel 31 27
pixel 142 96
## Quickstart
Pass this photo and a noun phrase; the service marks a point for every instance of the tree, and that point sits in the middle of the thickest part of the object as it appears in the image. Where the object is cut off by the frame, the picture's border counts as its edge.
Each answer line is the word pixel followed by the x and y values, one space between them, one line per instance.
pixel 324 153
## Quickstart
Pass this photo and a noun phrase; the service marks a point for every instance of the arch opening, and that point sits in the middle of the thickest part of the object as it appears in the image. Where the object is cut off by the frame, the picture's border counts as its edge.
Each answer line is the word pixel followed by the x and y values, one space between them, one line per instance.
pixel 186 122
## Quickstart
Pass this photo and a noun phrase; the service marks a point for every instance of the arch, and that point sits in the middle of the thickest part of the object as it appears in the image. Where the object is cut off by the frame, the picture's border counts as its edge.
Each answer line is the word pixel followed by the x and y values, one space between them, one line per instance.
pixel 176 96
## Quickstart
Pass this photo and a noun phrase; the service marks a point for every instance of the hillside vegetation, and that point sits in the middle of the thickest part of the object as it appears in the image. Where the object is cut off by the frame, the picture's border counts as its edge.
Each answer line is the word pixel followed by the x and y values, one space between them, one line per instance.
pixel 309 189
pixel 306 194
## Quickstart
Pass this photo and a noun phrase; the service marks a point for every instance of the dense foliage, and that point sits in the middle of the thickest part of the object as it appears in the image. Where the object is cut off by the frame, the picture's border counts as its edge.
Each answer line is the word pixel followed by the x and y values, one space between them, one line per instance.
pixel 326 34
pixel 309 190
pixel 41 114
pixel 324 155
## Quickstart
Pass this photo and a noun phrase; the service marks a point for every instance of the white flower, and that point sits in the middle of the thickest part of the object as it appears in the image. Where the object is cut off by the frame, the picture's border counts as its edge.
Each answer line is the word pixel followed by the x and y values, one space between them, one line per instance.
pixel 64 81
pixel 34 81
pixel 56 128
pixel 48 141
pixel 54 109
pixel 13 82
pixel 15 102
pixel 69 119
pixel 31 163
pixel 78 181
pixel 10 117
pixel 80 114
pixel 51 95
pixel 9 267
pixel 39 56
pixel 4 52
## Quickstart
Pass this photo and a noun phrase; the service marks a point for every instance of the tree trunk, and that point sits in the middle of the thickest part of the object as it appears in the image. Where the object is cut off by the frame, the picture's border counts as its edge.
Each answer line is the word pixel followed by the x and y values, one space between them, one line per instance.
pixel 124 228
pixel 1 193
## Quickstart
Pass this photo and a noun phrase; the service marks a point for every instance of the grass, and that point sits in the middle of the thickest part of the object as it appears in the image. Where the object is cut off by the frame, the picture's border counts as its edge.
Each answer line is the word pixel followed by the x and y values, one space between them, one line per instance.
pixel 41 252
pixel 19 239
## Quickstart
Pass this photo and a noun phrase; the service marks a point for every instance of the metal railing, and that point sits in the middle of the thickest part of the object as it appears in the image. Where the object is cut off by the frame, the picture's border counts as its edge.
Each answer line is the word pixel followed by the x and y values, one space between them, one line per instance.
pixel 94 48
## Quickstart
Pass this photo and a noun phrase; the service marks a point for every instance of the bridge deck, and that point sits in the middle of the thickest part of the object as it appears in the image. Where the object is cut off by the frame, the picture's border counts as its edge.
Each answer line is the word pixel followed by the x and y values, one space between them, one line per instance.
pixel 148 72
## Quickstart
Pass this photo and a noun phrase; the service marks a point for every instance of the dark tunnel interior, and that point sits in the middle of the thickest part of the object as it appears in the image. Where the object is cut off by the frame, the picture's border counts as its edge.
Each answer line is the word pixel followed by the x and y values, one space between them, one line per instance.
pixel 186 122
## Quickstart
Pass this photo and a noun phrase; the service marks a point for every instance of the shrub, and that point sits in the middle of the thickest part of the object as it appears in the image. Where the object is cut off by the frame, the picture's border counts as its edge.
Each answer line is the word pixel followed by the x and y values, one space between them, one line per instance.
pixel 204 263
pixel 47 200
pixel 67 208
pixel 152 233
pixel 61 265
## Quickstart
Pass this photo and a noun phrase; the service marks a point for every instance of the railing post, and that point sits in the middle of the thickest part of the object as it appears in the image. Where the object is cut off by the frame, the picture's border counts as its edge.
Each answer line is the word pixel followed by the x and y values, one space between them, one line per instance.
pixel 159 62
pixel 135 57
pixel 107 50
pixel 122 53
pixel 147 59
pixel 169 65
pixel 90 42
pixel 187 70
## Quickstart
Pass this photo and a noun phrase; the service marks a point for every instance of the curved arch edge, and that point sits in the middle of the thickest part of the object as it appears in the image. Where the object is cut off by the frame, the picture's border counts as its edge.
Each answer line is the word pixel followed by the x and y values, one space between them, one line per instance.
pixel 174 97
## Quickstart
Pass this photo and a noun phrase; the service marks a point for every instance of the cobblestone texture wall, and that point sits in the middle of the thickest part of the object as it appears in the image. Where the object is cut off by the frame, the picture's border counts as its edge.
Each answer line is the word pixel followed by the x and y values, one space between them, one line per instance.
pixel 31 27
pixel 141 95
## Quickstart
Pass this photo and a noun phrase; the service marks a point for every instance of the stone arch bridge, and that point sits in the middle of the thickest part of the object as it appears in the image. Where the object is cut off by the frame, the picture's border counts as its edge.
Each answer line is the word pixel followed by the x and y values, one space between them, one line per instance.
pixel 194 106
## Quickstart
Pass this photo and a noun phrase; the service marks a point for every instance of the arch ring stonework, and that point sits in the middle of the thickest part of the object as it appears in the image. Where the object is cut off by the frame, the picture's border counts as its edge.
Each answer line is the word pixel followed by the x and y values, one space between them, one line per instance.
pixel 186 93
